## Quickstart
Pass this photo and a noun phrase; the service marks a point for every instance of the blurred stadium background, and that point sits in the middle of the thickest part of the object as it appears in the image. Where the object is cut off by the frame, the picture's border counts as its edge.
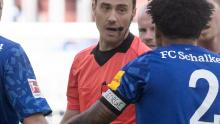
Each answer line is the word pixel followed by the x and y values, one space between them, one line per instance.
pixel 52 32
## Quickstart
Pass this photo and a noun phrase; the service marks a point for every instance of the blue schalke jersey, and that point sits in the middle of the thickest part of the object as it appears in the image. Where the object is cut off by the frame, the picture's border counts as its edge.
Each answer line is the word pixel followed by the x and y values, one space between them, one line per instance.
pixel 19 93
pixel 176 84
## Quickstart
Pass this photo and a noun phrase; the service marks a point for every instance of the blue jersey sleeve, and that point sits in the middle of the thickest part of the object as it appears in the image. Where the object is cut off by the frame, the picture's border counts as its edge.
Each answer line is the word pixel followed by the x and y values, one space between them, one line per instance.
pixel 133 81
pixel 21 86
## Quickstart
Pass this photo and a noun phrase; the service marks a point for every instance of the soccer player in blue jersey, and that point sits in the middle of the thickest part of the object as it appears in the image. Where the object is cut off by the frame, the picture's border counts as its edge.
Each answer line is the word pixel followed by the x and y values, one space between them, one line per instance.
pixel 20 97
pixel 177 83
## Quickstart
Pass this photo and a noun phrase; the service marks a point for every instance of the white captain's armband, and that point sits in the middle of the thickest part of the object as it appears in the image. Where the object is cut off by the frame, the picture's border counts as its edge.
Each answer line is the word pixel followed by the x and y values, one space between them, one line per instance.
pixel 113 101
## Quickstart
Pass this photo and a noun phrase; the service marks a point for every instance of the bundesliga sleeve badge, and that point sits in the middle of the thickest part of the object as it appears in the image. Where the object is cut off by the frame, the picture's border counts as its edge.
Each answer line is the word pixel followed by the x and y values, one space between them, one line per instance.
pixel 35 89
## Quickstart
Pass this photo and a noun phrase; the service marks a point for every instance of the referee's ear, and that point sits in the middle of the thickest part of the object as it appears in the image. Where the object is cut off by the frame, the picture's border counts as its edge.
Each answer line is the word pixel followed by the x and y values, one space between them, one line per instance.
pixel 1 7
pixel 94 3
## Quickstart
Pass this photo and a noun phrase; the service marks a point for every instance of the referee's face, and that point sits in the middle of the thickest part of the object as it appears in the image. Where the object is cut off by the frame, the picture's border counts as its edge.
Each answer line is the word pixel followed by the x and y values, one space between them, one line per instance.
pixel 113 18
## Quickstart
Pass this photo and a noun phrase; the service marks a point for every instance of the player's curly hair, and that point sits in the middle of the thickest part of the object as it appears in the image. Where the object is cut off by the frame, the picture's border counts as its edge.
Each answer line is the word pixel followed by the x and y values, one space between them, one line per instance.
pixel 180 18
pixel 133 1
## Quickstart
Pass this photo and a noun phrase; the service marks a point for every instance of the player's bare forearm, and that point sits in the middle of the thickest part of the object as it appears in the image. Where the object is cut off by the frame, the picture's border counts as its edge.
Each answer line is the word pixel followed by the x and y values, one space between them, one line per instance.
pixel 97 114
pixel 35 119
pixel 69 114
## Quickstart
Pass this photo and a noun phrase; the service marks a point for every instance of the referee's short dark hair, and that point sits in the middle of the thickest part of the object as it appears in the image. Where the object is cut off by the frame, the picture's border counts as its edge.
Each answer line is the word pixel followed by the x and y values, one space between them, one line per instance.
pixel 133 1
pixel 180 18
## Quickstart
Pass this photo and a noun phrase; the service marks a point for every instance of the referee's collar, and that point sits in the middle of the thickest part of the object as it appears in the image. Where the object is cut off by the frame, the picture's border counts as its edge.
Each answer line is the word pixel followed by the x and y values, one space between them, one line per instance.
pixel 102 57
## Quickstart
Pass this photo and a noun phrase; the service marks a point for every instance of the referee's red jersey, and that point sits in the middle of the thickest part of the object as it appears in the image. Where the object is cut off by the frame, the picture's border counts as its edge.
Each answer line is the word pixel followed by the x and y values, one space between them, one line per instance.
pixel 93 69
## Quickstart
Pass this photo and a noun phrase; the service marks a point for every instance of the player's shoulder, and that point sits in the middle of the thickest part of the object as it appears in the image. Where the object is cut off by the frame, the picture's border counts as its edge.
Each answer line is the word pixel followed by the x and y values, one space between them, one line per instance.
pixel 7 45
pixel 142 60
pixel 147 57
pixel 138 46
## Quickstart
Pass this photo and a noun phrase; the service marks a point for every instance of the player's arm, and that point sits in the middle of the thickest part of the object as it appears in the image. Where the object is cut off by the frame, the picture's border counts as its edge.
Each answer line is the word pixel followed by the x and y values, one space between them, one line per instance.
pixel 110 105
pixel 25 96
pixel 35 119
pixel 99 113
pixel 68 114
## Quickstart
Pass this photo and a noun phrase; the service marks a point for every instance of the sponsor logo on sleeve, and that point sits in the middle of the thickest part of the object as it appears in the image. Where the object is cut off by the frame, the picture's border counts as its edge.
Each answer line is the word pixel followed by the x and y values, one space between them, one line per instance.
pixel 115 83
pixel 35 89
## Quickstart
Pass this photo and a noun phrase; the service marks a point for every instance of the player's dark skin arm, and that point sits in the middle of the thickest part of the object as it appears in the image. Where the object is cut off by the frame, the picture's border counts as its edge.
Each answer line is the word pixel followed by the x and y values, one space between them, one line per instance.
pixel 96 114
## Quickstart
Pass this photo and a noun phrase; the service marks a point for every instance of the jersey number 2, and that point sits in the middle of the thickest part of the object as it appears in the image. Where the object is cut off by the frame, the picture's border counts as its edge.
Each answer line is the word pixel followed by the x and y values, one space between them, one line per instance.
pixel 210 97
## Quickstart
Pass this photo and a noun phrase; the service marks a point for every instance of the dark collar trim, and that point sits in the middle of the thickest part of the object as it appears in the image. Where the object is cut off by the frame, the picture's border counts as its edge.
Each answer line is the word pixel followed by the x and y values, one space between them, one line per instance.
pixel 102 57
